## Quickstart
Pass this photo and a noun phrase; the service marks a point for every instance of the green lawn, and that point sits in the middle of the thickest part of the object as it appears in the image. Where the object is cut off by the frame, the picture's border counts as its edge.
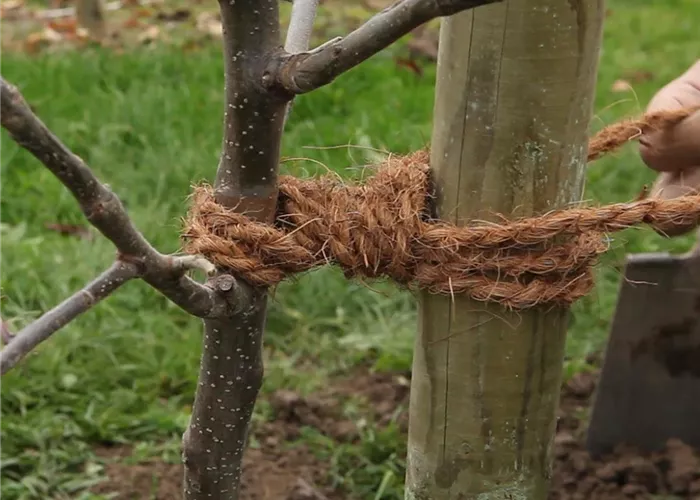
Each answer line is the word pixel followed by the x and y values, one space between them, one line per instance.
pixel 149 124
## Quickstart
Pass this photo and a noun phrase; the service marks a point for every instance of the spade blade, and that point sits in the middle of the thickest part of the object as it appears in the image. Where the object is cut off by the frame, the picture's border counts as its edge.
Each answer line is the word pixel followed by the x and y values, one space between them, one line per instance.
pixel 649 388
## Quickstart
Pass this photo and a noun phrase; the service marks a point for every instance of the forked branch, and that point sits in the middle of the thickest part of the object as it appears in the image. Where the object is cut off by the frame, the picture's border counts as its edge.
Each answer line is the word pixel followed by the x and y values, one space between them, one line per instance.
pixel 105 211
pixel 304 72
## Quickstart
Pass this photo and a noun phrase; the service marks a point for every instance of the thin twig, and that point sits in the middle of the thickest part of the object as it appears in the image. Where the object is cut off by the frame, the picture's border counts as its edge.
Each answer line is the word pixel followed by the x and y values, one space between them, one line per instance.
pixel 103 208
pixel 32 335
pixel 301 73
pixel 301 24
pixel 18 345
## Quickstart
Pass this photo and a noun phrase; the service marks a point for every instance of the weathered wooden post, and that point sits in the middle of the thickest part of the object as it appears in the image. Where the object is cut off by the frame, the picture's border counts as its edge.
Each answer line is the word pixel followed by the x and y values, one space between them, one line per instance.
pixel 90 15
pixel 514 97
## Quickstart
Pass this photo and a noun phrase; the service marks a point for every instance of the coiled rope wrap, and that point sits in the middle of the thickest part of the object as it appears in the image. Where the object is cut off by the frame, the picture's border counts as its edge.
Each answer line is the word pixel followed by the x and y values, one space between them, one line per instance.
pixel 383 228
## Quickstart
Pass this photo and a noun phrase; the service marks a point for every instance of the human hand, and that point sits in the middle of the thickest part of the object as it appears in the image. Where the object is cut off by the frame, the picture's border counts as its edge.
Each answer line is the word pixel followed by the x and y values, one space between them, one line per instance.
pixel 675 153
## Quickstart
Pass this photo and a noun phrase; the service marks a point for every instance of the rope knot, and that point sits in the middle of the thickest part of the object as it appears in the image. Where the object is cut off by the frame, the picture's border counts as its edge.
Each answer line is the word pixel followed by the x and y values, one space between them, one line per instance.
pixel 383 227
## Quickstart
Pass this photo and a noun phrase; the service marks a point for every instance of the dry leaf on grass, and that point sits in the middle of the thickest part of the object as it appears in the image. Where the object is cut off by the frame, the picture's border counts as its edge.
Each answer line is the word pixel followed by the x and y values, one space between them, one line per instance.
pixel 150 34
pixel 176 16
pixel 143 12
pixel 409 64
pixel 63 26
pixel 69 230
pixel 209 23
pixel 11 9
pixel 621 86
pixel 35 41
pixel 132 22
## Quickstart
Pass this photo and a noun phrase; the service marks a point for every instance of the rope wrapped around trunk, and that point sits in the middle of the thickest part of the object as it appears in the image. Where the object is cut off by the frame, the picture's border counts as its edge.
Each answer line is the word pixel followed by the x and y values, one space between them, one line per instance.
pixel 384 228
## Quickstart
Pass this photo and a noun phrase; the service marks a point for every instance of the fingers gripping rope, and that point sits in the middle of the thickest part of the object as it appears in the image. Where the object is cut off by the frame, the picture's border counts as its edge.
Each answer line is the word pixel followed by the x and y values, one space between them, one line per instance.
pixel 382 228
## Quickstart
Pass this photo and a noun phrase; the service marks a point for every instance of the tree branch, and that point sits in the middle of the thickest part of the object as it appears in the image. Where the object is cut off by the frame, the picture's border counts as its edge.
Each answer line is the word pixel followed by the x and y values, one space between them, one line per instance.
pixel 301 24
pixel 104 209
pixel 20 344
pixel 28 338
pixel 301 73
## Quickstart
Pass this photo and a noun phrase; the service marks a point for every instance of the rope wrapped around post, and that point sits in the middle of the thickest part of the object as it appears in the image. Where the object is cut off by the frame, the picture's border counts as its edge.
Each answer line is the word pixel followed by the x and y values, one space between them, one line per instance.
pixel 385 227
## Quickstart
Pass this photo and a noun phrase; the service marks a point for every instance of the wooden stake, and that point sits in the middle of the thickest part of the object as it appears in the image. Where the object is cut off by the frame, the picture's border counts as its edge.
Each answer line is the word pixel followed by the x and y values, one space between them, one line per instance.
pixel 514 97
pixel 90 15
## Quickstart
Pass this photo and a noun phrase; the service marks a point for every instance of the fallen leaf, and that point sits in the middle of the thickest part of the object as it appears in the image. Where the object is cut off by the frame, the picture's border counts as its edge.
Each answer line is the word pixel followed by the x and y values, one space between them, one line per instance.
pixel 69 25
pixel 409 64
pixel 76 230
pixel 132 22
pixel 11 8
pixel 620 86
pixel 51 35
pixel 150 34
pixel 177 16
pixel 81 34
pixel 210 23
pixel 144 12
pixel 35 41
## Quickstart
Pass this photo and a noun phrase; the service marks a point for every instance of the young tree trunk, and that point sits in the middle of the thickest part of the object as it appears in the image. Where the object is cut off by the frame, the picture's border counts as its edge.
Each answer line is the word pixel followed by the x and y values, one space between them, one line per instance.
pixel 231 368
pixel 514 97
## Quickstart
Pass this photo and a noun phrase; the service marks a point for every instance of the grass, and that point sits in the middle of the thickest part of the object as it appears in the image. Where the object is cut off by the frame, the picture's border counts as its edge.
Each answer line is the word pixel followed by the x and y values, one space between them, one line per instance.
pixel 149 124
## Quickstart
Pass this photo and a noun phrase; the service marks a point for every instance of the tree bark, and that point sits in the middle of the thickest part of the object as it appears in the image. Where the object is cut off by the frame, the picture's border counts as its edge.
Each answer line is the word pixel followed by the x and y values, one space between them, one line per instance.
pixel 514 96
pixel 231 367
pixel 104 210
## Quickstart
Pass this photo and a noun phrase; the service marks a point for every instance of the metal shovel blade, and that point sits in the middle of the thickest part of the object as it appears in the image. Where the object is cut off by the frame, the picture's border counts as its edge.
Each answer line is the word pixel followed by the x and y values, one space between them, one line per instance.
pixel 649 388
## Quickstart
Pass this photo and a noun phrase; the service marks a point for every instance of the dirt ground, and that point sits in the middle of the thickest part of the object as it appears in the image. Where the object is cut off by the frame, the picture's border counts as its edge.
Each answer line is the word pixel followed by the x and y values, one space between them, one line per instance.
pixel 273 472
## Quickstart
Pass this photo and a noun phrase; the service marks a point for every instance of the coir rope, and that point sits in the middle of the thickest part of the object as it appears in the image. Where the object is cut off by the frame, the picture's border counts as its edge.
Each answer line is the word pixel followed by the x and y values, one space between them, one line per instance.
pixel 383 228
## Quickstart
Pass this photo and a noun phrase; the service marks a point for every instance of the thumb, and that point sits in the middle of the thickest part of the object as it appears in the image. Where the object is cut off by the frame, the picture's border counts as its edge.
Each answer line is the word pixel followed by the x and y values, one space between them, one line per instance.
pixel 677 148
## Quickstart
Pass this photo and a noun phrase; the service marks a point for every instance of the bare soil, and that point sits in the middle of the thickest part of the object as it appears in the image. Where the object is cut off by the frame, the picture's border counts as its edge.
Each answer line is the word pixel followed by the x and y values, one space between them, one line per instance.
pixel 277 471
